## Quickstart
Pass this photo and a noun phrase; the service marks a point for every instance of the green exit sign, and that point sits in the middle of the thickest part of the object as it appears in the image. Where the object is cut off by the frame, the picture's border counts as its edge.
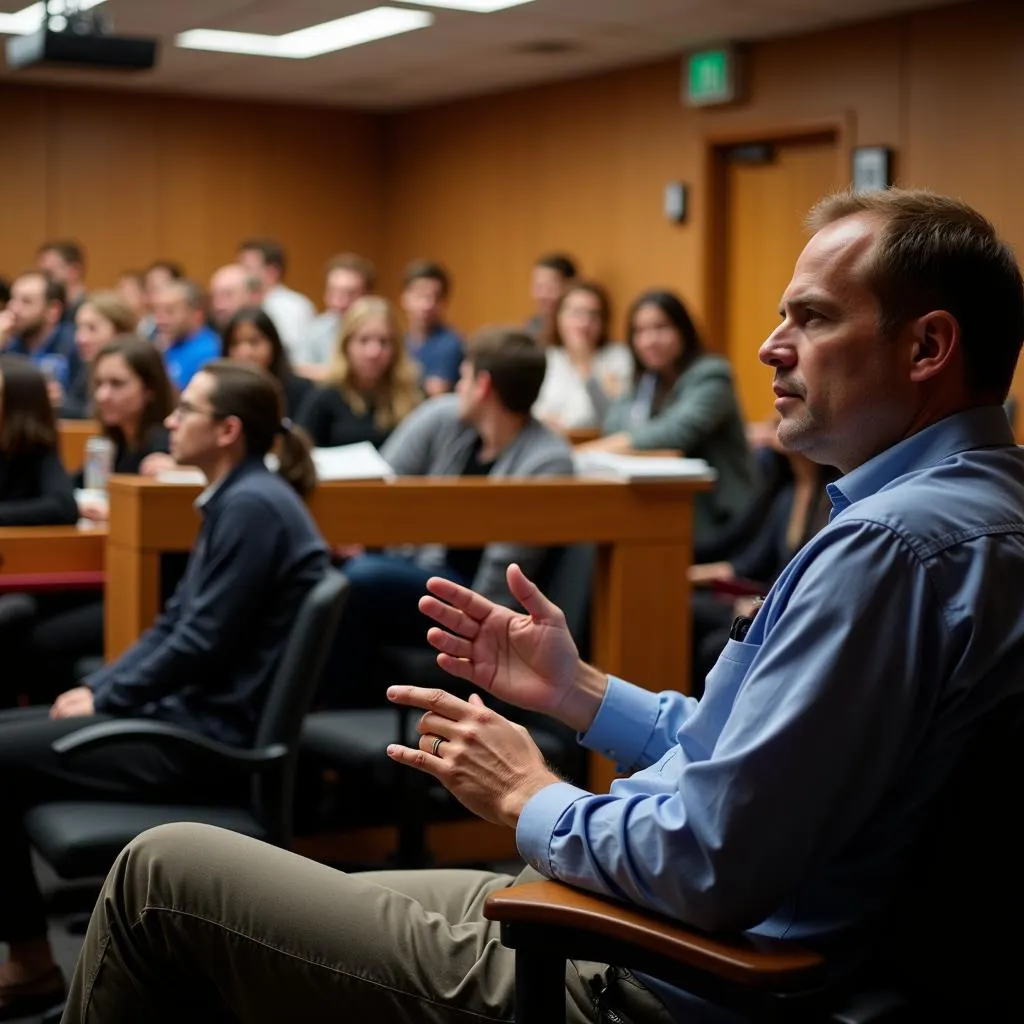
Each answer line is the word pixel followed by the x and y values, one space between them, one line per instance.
pixel 712 77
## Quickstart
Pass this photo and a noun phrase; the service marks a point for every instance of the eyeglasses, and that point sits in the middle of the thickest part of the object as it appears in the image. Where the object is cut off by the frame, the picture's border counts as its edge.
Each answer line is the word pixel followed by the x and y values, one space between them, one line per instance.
pixel 183 409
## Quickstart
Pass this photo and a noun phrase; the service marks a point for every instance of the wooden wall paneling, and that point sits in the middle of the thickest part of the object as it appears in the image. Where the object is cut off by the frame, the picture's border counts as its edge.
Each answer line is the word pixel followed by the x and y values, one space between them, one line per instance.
pixel 965 92
pixel 24 176
pixel 103 180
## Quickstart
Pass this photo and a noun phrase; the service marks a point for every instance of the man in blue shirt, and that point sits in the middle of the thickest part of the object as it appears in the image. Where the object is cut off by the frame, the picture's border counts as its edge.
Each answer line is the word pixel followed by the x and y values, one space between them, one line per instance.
pixel 436 348
pixel 32 325
pixel 787 799
pixel 181 331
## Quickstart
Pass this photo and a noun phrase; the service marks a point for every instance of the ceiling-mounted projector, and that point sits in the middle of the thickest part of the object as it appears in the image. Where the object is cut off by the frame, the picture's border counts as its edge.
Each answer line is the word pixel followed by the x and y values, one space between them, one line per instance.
pixel 82 39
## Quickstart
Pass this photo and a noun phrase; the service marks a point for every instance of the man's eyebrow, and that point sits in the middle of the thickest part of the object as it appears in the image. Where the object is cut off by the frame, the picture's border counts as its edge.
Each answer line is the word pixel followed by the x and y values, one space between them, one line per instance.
pixel 819 300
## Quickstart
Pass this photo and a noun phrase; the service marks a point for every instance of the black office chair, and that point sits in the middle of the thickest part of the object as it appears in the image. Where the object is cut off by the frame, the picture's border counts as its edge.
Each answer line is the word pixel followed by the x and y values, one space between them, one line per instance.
pixel 353 742
pixel 81 839
pixel 951 952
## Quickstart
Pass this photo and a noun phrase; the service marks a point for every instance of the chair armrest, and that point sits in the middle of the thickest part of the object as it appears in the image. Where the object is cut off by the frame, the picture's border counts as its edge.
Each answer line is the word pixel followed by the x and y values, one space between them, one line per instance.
pixel 747 960
pixel 216 755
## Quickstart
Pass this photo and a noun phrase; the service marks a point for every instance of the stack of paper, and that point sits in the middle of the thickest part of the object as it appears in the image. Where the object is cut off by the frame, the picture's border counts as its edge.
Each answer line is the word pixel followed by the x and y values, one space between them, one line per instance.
pixel 606 466
pixel 351 462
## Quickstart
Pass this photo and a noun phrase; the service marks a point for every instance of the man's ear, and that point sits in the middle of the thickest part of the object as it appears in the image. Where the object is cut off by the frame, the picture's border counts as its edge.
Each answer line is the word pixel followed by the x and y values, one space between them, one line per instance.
pixel 230 430
pixel 936 343
pixel 484 382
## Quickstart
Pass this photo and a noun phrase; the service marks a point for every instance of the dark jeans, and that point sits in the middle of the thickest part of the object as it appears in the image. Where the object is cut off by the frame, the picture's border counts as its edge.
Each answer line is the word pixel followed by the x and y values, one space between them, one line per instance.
pixel 382 610
pixel 31 773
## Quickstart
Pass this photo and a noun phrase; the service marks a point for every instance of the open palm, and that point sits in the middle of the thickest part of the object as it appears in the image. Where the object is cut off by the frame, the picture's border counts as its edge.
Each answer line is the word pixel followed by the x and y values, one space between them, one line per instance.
pixel 528 660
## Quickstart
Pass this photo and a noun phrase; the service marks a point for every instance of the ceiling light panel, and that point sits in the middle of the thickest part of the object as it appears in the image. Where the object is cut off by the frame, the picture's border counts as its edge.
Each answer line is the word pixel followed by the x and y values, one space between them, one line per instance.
pixel 30 19
pixel 354 30
pixel 479 6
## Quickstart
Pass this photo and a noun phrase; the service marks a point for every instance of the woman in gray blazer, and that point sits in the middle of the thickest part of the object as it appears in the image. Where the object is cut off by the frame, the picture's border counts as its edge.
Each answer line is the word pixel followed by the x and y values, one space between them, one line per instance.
pixel 683 399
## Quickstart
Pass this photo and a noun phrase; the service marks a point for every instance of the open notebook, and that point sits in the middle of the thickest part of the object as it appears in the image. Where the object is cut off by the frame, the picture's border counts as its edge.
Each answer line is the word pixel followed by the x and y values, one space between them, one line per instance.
pixel 606 466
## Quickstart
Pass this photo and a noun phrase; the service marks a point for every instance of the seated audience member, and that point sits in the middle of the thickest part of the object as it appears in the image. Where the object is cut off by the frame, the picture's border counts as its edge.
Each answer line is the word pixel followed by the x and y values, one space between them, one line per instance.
pixel 586 372
pixel 683 399
pixel 157 277
pixel 485 429
pixel 132 396
pixel 131 289
pixel 131 399
pixel 182 335
pixel 436 348
pixel 101 317
pixel 789 801
pixel 370 385
pixel 291 312
pixel 204 665
pixel 348 277
pixel 64 262
pixel 251 337
pixel 35 490
pixel 32 325
pixel 551 275
pixel 232 288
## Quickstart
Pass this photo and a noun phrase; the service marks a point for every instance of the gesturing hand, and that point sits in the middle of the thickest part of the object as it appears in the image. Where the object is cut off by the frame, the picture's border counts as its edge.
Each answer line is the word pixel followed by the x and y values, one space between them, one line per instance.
pixel 491 765
pixel 528 660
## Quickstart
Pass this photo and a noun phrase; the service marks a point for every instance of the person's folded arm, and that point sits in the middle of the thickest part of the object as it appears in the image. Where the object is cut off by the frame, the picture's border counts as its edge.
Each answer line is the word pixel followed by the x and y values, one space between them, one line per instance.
pixel 55 504
pixel 722 828
pixel 700 410
pixel 240 564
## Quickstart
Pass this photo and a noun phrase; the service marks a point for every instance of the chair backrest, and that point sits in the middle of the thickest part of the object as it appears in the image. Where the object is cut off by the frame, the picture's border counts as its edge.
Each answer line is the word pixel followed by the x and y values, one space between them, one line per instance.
pixel 567 579
pixel 289 698
pixel 955 938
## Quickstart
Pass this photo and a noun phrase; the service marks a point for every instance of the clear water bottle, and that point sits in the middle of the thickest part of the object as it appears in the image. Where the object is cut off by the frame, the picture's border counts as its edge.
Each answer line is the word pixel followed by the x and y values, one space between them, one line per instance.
pixel 99 463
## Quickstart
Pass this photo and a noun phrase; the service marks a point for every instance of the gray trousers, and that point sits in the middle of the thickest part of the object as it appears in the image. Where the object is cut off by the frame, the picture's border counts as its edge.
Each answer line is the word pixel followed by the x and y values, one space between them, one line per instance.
pixel 198 924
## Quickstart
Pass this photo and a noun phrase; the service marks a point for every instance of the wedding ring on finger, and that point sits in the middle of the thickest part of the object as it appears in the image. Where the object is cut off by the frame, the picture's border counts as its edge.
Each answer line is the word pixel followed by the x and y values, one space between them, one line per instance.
pixel 438 740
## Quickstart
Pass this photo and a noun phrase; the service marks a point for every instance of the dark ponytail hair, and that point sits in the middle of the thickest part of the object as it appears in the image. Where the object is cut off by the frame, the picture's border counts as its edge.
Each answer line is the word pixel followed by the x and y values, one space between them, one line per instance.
pixel 256 398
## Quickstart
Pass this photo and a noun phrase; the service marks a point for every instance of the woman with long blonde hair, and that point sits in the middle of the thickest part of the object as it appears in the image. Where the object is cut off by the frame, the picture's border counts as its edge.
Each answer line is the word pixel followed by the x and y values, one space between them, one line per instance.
pixel 370 384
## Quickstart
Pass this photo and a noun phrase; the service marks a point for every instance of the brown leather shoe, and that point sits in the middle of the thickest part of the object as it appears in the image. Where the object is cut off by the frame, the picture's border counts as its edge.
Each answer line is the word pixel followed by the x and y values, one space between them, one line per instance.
pixel 32 997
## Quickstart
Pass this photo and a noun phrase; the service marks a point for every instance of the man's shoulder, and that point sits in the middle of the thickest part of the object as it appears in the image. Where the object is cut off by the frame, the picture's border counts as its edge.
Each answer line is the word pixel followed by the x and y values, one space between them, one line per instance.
pixel 444 339
pixel 541 448
pixel 966 496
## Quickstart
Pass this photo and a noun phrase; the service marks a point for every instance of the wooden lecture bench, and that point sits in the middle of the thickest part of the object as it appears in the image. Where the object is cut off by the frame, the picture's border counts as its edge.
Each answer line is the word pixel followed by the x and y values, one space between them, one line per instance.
pixel 641 600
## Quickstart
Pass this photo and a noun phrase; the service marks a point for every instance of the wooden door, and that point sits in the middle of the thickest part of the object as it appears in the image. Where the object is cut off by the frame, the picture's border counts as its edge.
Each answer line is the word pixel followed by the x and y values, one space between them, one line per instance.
pixel 767 191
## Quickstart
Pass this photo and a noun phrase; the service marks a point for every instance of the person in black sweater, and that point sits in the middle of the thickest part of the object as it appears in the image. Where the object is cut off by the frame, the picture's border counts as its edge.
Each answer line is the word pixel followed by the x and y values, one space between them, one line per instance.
pixel 205 664
pixel 101 318
pixel 132 396
pixel 251 337
pixel 370 385
pixel 35 490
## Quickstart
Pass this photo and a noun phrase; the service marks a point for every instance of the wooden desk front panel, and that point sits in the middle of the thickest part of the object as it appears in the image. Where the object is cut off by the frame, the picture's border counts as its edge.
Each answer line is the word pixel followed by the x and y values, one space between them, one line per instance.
pixel 31 550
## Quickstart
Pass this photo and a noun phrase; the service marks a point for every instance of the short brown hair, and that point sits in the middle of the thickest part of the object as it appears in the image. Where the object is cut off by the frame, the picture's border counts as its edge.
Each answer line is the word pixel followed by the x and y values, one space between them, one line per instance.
pixel 112 307
pixel 146 362
pixel 272 252
pixel 27 423
pixel 53 290
pixel 427 270
pixel 938 253
pixel 357 264
pixel 68 251
pixel 515 362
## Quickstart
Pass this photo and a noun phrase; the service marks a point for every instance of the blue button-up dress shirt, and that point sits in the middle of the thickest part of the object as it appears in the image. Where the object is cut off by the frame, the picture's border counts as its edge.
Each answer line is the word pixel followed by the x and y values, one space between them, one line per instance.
pixel 787 800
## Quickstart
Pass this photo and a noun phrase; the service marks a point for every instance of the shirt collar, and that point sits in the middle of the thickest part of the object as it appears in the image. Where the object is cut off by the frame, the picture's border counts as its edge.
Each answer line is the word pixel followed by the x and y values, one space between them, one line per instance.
pixel 244 468
pixel 982 427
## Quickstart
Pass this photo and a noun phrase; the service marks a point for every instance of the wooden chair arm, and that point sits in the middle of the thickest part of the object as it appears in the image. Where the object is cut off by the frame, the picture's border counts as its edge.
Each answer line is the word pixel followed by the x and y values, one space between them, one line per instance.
pixel 748 960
